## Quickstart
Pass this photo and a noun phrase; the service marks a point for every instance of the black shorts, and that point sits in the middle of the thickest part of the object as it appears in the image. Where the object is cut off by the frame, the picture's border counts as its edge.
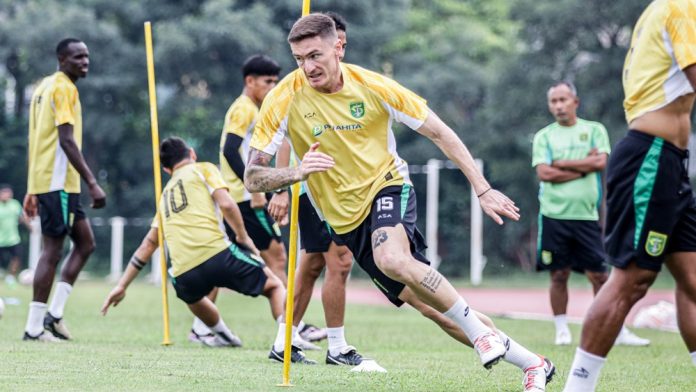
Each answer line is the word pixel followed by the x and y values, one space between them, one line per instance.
pixel 570 243
pixel 391 206
pixel 258 222
pixel 7 253
pixel 232 268
pixel 650 206
pixel 59 211
pixel 315 236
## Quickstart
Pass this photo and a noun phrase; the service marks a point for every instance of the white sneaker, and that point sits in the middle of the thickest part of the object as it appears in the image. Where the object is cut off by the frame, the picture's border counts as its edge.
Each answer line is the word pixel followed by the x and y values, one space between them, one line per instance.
pixel 304 345
pixel 223 341
pixel 563 337
pixel 44 336
pixel 490 349
pixel 536 377
pixel 628 338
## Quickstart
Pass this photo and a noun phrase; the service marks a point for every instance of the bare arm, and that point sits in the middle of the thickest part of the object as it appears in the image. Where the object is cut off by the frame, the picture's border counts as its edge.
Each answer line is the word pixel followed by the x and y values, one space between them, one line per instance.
pixel 67 143
pixel 493 202
pixel 141 256
pixel 233 217
pixel 280 202
pixel 260 177
pixel 552 174
pixel 592 163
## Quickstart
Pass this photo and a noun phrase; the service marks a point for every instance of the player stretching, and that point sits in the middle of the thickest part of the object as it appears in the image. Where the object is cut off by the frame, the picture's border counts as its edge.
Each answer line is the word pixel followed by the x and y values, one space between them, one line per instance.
pixel 361 186
pixel 53 192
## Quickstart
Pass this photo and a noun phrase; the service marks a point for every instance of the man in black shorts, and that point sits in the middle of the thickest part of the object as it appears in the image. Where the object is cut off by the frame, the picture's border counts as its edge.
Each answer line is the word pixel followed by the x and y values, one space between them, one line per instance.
pixel 651 212
pixel 56 166
pixel 569 156
pixel 201 255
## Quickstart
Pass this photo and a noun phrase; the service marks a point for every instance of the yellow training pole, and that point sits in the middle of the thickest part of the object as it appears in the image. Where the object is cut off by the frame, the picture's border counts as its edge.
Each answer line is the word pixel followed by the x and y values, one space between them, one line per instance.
pixel 292 258
pixel 158 177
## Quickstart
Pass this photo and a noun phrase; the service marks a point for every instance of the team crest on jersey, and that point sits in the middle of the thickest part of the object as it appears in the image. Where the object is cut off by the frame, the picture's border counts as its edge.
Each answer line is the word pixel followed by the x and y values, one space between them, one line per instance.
pixel 357 109
pixel 583 137
pixel 655 243
pixel 317 130
pixel 546 257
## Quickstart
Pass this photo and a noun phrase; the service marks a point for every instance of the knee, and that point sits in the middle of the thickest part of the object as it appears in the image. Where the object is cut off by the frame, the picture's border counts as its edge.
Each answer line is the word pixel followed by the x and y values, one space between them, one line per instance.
pixel 636 289
pixel 392 264
pixel 598 278
pixel 86 247
pixel 560 277
pixel 314 265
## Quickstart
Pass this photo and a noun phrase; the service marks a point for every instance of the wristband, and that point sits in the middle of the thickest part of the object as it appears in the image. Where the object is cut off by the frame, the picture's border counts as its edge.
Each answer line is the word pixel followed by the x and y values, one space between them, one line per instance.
pixel 484 192
pixel 137 263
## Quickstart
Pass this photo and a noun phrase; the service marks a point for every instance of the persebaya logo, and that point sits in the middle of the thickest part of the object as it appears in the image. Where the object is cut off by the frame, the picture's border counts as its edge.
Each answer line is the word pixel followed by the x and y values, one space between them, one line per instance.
pixel 357 109
pixel 583 137
pixel 546 257
pixel 655 244
pixel 317 130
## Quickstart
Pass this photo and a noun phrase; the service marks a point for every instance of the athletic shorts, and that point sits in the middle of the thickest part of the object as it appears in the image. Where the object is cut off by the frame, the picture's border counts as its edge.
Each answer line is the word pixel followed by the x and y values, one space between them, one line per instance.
pixel 232 268
pixel 391 206
pixel 7 253
pixel 59 211
pixel 651 210
pixel 570 243
pixel 258 222
pixel 315 236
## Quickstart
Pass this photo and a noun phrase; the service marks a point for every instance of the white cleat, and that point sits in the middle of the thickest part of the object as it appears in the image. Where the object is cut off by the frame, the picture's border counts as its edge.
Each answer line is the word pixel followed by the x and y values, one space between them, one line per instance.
pixel 304 345
pixel 490 349
pixel 44 336
pixel 536 377
pixel 220 340
pixel 628 338
pixel 563 337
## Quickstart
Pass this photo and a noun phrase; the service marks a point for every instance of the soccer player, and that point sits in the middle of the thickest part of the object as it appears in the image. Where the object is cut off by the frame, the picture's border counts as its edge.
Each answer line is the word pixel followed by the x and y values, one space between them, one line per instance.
pixel 319 251
pixel 56 165
pixel 358 183
pixel 651 212
pixel 569 156
pixel 201 255
pixel 10 242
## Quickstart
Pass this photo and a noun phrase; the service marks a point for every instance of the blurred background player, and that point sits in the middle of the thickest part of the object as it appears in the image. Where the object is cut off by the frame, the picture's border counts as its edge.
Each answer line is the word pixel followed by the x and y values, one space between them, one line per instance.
pixel 56 165
pixel 569 156
pixel 10 242
pixel 651 211
pixel 201 255
pixel 319 251
pixel 365 194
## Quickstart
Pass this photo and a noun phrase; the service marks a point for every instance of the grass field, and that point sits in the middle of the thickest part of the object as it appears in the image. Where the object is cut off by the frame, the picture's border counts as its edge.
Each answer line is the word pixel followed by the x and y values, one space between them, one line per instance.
pixel 122 352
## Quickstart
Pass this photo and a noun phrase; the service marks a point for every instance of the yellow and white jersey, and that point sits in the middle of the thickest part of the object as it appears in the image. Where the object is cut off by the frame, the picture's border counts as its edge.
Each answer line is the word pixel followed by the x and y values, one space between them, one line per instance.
pixel 354 126
pixel 239 120
pixel 54 102
pixel 663 44
pixel 192 221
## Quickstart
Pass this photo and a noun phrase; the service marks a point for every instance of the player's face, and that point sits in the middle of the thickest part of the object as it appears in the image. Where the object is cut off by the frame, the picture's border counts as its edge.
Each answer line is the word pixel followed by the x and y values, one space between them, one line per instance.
pixel 319 59
pixel 261 85
pixel 75 63
pixel 5 194
pixel 344 43
pixel 563 104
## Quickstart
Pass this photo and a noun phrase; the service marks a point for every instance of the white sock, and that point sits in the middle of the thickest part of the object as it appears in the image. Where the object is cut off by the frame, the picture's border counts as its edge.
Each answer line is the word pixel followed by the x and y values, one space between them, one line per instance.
pixel 221 329
pixel 561 322
pixel 279 344
pixel 37 312
pixel 337 340
pixel 584 372
pixel 517 355
pixel 60 297
pixel 693 357
pixel 467 320
pixel 200 328
pixel 301 325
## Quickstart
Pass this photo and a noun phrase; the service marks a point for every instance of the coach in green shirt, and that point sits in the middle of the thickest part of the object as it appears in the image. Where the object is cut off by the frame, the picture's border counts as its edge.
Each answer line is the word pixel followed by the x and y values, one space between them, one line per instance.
pixel 568 156
pixel 10 247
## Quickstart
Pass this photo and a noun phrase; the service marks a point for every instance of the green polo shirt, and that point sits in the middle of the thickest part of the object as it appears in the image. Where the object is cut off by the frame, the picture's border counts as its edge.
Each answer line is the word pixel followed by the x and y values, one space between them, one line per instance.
pixel 10 211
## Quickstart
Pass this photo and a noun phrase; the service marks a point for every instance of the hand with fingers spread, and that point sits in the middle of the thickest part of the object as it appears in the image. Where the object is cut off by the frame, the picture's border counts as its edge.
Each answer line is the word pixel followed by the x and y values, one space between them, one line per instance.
pixel 278 207
pixel 495 204
pixel 314 162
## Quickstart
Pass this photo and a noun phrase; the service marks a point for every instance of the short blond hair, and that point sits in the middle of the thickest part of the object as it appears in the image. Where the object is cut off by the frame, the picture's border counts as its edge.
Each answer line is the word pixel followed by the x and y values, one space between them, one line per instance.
pixel 312 25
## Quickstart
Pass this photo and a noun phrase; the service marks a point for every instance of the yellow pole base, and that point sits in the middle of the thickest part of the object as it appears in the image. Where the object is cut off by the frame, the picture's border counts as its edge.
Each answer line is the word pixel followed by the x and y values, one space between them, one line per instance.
pixel 285 385
pixel 167 343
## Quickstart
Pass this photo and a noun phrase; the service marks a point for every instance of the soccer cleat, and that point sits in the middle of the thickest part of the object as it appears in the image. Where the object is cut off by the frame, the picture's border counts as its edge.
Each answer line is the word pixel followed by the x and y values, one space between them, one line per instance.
pixel 304 345
pixel 57 327
pixel 563 337
pixel 193 337
pixel 296 356
pixel 490 349
pixel 628 338
pixel 223 340
pixel 536 377
pixel 348 356
pixel 44 336
pixel 312 333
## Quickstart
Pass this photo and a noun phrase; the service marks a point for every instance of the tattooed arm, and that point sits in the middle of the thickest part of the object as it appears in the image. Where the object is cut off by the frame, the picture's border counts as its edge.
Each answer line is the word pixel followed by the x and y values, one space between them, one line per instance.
pixel 260 177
